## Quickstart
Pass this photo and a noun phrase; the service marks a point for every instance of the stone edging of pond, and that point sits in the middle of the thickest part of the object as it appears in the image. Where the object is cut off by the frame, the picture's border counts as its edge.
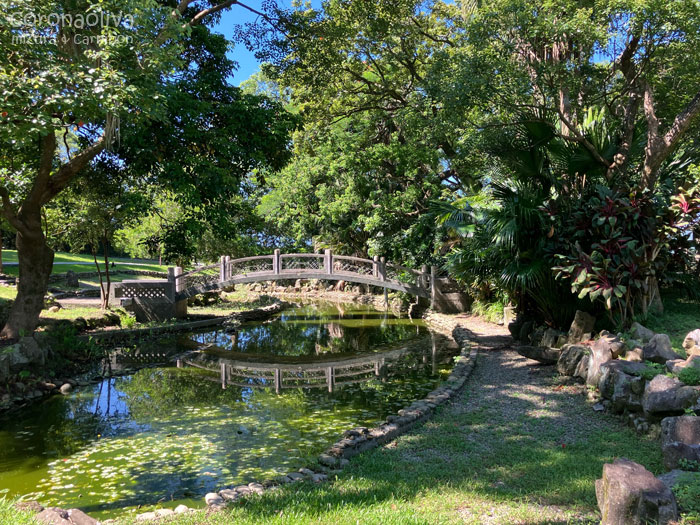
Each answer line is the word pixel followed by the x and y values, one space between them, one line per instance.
pixel 361 439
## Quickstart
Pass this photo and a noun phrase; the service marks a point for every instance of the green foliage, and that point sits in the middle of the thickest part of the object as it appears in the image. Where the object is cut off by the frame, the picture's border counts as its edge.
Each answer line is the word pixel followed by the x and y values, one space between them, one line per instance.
pixel 690 376
pixel 492 312
pixel 652 370
pixel 689 464
pixel 687 492
pixel 64 341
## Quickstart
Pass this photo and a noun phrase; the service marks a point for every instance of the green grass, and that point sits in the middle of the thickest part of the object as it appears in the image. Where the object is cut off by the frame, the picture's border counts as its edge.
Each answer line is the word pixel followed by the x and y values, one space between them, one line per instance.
pixel 9 515
pixel 84 263
pixel 681 316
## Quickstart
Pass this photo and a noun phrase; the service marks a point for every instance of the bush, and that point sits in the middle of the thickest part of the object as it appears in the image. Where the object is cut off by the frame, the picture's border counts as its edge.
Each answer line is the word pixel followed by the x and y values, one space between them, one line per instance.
pixel 690 376
pixel 687 492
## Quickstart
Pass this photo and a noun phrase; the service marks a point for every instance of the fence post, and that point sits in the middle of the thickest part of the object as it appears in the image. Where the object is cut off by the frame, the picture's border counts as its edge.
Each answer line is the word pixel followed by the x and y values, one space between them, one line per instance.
pixel 424 277
pixel 330 378
pixel 375 266
pixel 382 268
pixel 228 267
pixel 328 261
pixel 276 262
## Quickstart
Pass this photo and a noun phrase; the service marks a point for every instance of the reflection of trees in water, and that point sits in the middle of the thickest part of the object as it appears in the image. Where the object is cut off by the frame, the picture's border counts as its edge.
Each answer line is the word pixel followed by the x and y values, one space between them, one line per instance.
pixel 309 331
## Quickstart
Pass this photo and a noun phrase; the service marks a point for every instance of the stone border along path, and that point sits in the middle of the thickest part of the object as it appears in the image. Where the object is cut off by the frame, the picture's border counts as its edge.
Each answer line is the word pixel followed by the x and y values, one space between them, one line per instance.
pixel 361 439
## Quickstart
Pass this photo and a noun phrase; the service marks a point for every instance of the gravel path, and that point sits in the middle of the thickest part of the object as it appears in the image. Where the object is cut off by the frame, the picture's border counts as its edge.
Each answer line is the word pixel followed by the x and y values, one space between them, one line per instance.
pixel 532 438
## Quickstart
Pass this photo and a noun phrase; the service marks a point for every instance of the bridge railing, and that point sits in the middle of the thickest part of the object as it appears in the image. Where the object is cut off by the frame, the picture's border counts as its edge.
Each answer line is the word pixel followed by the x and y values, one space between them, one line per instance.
pixel 279 264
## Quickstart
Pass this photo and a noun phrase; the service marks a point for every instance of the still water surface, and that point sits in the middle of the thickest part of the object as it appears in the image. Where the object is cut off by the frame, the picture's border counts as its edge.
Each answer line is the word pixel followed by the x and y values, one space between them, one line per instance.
pixel 170 433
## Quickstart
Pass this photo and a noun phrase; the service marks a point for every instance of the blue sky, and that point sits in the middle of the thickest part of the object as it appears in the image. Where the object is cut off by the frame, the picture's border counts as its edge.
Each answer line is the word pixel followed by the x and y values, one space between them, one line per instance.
pixel 247 63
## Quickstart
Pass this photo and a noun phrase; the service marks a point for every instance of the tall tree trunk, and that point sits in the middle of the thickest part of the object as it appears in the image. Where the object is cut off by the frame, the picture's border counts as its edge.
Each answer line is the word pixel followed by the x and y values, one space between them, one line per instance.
pixel 1 237
pixel 35 265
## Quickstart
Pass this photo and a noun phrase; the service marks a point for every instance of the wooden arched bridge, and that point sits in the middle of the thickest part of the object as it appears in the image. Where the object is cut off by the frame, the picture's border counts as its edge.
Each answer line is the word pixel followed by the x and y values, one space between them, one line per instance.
pixel 153 296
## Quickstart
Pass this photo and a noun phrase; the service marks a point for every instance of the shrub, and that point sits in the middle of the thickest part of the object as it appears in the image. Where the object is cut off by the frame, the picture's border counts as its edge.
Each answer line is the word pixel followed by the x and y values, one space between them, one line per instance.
pixel 690 376
pixel 687 492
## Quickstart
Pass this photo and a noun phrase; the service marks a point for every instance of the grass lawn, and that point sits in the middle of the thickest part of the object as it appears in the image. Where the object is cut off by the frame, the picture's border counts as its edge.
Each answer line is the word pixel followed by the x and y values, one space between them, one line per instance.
pixel 84 263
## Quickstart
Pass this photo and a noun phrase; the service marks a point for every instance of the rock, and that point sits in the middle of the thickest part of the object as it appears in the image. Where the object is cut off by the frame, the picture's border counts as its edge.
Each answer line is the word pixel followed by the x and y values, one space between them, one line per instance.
pixel 525 330
pixel 691 342
pixel 583 323
pixel 53 516
pixel 164 512
pixel 570 358
pixel 610 342
pixel 550 338
pixel 78 517
pixel 685 429
pixel 628 494
pixel 318 478
pixel 641 333
pixel 181 509
pixel 31 351
pixel 675 365
pixel 146 516
pixel 547 356
pixel 675 452
pixel 537 335
pixel 670 479
pixel 620 383
pixel 635 354
pixel 600 353
pixel 582 368
pixel 72 279
pixel 599 407
pixel 295 476
pixel 4 367
pixel 213 499
pixel 66 388
pixel 659 350
pixel 29 506
pixel 228 495
pixel 514 328
pixel 508 315
pixel 667 396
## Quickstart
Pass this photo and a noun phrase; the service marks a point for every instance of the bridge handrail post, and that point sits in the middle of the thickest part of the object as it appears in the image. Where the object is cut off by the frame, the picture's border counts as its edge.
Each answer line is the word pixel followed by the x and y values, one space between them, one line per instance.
pixel 433 287
pixel 276 262
pixel 328 261
pixel 424 276
pixel 229 268
pixel 222 268
pixel 382 268
pixel 173 275
pixel 375 266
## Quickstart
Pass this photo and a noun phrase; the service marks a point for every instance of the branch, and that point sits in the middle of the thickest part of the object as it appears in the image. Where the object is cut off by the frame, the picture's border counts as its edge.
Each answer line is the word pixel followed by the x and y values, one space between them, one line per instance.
pixel 197 19
pixel 47 150
pixel 8 210
pixel 68 171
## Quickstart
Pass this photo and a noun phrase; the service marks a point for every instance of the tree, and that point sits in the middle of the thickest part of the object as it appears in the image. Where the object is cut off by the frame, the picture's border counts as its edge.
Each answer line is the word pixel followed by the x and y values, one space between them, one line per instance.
pixel 68 90
pixel 98 203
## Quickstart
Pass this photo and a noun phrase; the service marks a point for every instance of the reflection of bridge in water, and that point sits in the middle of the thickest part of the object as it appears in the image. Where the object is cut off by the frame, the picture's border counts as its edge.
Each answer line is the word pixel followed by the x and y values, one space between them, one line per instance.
pixel 328 372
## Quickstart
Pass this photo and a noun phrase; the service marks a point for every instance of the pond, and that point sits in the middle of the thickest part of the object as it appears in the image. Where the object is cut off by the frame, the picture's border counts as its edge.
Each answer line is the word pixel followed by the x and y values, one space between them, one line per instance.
pixel 215 409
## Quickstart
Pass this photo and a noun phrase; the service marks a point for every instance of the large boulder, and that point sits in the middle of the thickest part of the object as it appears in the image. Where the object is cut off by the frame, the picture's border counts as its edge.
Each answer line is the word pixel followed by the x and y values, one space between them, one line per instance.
pixel 676 453
pixel 582 368
pixel 659 349
pixel 628 494
pixel 547 356
pixel 620 382
pixel 601 352
pixel 680 439
pixel 570 358
pixel 32 351
pixel 641 333
pixel 582 324
pixel 667 396
pixel 610 342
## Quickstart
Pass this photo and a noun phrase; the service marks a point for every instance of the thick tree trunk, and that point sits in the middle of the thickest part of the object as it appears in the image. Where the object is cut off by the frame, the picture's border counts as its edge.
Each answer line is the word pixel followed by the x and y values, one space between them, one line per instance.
pixel 35 265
